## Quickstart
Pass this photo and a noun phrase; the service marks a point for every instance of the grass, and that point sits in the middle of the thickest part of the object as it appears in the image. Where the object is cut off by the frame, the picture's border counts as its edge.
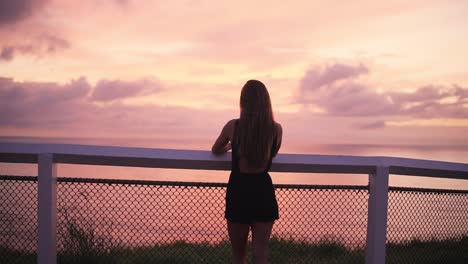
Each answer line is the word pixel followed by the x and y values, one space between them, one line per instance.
pixel 429 252
pixel 85 246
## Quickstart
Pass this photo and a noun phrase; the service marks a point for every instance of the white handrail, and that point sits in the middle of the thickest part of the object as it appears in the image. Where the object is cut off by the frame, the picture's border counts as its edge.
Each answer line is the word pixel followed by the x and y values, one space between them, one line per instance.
pixel 378 169
pixel 196 159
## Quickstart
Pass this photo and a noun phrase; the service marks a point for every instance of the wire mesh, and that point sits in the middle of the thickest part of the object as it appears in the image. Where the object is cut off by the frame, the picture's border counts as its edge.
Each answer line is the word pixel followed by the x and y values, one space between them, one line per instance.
pixel 118 221
pixel 427 226
pixel 18 220
pixel 126 221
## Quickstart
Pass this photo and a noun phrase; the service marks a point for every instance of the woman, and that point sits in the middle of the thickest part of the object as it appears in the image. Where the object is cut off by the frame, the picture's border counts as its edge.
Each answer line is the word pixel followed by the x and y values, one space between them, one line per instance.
pixel 255 139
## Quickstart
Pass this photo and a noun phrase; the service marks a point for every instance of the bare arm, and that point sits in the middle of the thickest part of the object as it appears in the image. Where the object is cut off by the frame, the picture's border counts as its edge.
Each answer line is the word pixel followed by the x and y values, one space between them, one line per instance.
pixel 279 139
pixel 222 144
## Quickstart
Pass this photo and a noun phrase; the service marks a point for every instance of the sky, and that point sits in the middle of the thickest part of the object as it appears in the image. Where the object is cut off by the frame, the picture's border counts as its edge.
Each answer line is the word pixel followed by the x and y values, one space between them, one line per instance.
pixel 342 75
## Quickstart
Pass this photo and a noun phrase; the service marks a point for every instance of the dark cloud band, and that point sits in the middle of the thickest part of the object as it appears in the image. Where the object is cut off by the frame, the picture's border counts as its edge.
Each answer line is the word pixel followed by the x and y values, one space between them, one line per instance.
pixel 43 44
pixel 12 11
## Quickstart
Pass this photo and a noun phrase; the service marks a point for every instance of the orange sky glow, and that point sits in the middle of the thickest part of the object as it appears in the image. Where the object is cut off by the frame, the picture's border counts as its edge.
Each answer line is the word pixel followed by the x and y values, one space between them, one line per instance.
pixel 169 73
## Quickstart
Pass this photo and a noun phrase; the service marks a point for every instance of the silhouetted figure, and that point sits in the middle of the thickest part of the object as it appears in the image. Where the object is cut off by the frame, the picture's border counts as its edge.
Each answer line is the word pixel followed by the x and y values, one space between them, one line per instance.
pixel 255 139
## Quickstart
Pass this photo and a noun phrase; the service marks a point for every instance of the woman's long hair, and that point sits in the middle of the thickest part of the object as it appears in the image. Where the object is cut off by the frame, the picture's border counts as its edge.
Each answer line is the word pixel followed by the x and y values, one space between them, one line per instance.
pixel 256 125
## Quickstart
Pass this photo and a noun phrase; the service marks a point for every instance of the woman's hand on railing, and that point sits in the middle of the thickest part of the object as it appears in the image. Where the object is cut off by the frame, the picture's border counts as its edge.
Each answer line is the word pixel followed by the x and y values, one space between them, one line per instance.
pixel 222 150
pixel 228 147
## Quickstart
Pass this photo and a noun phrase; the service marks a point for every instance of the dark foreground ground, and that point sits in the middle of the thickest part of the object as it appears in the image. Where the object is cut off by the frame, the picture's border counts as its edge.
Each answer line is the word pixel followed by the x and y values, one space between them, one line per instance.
pixel 89 250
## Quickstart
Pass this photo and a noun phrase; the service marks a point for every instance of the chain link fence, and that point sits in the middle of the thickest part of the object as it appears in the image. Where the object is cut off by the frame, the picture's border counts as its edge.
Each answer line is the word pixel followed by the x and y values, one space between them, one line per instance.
pixel 18 219
pixel 427 226
pixel 127 221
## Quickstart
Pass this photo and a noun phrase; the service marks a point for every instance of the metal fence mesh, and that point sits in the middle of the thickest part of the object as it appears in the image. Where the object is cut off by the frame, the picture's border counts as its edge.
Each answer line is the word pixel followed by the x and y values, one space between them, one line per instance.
pixel 119 221
pixel 427 226
pixel 18 220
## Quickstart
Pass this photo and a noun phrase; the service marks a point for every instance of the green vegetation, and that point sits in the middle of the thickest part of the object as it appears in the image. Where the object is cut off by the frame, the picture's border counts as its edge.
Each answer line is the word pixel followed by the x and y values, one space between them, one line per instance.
pixel 81 245
pixel 451 251
pixel 16 257
pixel 326 251
pixel 85 246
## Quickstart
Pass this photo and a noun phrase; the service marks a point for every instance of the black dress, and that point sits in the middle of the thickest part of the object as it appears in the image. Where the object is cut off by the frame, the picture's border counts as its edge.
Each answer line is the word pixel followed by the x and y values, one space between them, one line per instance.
pixel 250 197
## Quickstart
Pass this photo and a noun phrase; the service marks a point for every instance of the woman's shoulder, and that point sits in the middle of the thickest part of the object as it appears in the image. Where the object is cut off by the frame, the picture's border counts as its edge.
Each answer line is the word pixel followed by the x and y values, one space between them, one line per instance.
pixel 232 122
pixel 279 128
pixel 229 126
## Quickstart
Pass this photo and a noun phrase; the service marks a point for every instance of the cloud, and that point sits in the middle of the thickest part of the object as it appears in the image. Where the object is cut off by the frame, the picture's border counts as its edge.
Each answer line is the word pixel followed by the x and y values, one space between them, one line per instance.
pixel 425 93
pixel 43 104
pixel 317 77
pixel 371 125
pixel 27 33
pixel 7 53
pixel 39 46
pixel 54 43
pixel 43 92
pixel 26 104
pixel 349 97
pixel 110 90
pixel 433 102
pixel 354 99
pixel 12 11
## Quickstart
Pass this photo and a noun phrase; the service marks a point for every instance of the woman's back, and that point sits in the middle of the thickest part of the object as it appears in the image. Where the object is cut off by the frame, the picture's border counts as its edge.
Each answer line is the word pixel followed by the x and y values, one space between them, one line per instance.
pixel 271 150
pixel 250 194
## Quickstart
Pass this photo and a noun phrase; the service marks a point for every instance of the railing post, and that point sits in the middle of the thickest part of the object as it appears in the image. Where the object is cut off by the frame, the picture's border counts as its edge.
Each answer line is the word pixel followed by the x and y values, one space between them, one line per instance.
pixel 47 209
pixel 377 216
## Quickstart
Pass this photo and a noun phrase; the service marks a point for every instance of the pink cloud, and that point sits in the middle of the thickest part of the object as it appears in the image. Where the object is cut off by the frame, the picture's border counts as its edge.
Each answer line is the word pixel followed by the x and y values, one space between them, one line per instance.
pixel 37 46
pixel 7 53
pixel 63 106
pixel 425 93
pixel 426 102
pixel 317 77
pixel 54 43
pixel 26 104
pixel 43 92
pixel 371 125
pixel 352 98
pixel 26 30
pixel 110 90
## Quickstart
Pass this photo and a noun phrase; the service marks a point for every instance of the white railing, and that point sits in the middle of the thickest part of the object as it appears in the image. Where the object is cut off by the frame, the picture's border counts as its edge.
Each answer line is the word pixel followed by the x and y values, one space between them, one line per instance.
pixel 378 169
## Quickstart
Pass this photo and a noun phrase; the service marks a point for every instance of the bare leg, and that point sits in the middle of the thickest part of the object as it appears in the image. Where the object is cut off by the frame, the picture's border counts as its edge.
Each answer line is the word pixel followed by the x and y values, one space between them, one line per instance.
pixel 238 234
pixel 261 233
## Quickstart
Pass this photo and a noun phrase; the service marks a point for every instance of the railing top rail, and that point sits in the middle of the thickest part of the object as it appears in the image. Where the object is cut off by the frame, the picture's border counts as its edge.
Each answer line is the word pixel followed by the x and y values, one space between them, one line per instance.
pixel 196 159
